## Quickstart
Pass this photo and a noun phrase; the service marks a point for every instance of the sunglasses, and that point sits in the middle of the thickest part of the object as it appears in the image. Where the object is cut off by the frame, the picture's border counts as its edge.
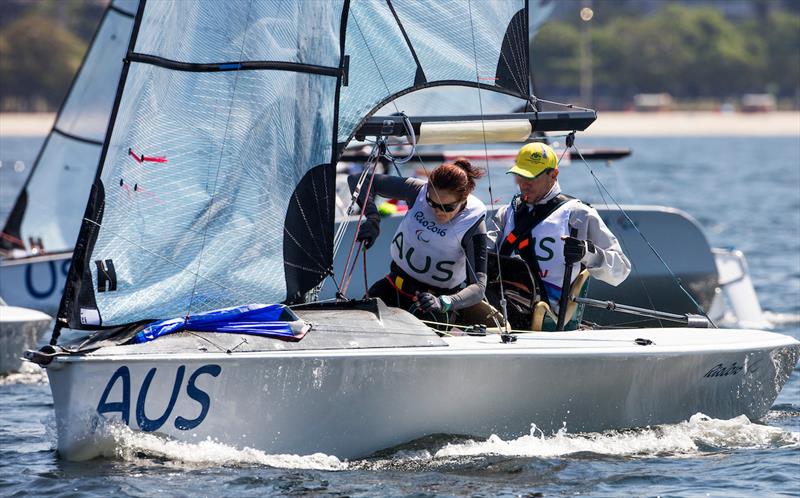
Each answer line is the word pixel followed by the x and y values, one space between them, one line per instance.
pixel 447 208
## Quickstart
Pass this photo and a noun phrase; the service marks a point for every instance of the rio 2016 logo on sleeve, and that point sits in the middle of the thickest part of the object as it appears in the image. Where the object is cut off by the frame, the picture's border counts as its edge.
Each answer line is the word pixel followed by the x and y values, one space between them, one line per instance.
pixel 145 423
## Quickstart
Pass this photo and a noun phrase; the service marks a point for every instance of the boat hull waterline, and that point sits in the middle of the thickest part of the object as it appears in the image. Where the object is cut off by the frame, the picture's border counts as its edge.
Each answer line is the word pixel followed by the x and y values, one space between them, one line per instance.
pixel 351 403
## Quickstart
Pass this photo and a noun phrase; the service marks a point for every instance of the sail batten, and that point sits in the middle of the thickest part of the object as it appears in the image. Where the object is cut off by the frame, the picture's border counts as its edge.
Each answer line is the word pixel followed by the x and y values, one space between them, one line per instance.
pixel 77 138
pixel 122 11
pixel 234 65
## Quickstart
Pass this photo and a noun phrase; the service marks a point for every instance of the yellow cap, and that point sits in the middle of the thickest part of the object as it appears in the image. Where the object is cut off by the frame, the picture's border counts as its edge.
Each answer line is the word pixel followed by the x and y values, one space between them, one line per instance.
pixel 533 159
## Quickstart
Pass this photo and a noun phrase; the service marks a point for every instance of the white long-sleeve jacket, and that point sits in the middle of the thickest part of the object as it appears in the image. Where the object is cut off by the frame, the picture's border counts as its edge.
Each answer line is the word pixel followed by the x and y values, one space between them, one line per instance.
pixel 608 263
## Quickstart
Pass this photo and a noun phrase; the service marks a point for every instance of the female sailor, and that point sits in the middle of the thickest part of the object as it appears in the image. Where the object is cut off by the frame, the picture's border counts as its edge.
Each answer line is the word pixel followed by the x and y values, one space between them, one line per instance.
pixel 439 249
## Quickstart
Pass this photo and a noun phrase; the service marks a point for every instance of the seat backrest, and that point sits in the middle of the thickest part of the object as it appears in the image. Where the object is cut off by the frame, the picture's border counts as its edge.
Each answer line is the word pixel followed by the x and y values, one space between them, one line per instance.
pixel 543 317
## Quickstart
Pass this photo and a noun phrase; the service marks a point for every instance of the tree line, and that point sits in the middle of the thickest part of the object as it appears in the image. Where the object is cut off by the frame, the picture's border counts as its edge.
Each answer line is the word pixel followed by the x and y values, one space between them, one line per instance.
pixel 42 43
pixel 687 51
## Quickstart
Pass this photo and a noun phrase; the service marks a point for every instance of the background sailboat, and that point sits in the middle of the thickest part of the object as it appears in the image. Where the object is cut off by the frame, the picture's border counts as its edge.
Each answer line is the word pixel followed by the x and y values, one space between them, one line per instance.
pixel 40 233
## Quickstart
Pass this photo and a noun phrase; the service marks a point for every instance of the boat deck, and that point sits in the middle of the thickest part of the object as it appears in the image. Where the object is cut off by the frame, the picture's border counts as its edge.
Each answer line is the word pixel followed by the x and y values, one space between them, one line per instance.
pixel 360 341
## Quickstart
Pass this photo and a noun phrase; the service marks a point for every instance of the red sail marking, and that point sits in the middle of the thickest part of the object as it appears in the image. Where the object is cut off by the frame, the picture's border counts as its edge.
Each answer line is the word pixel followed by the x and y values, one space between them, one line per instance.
pixel 143 158
pixel 153 196
pixel 127 190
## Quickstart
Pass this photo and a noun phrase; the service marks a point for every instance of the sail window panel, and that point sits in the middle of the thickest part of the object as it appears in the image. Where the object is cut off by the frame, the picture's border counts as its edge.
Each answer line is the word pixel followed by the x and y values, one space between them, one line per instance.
pixel 58 191
pixel 381 63
pixel 88 106
pixel 204 230
pixel 462 39
pixel 446 100
pixel 215 31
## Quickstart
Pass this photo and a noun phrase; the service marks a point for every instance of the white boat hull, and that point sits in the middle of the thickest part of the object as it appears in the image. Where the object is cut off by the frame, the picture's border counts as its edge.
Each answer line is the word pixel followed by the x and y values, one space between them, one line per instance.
pixel 35 282
pixel 20 329
pixel 350 403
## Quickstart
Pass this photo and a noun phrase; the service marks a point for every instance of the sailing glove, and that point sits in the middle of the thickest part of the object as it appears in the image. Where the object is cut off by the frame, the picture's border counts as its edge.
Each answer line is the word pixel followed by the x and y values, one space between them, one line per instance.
pixel 368 232
pixel 429 302
pixel 575 249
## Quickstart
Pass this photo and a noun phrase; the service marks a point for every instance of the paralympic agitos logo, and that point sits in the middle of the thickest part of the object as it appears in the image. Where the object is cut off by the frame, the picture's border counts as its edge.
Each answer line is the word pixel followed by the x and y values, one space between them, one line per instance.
pixel 420 237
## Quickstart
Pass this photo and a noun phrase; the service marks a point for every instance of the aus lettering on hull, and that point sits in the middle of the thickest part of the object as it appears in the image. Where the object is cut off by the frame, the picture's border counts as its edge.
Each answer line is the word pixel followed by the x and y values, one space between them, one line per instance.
pixel 109 405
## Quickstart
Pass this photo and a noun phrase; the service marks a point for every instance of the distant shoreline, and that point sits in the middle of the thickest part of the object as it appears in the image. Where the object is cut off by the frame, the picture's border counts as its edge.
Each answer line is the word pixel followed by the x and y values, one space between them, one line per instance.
pixel 608 124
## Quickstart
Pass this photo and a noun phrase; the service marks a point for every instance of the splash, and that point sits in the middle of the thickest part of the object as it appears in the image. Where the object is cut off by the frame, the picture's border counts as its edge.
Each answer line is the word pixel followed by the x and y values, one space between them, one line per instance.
pixel 29 373
pixel 778 319
pixel 136 446
pixel 700 434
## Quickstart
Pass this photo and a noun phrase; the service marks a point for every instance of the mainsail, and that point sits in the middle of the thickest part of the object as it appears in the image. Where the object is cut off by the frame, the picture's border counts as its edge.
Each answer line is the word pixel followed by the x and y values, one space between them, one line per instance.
pixel 216 185
pixel 47 212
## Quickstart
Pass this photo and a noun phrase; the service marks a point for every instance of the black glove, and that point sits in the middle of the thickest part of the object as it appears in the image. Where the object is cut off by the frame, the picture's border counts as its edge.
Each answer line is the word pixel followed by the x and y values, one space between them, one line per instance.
pixel 575 249
pixel 368 232
pixel 428 302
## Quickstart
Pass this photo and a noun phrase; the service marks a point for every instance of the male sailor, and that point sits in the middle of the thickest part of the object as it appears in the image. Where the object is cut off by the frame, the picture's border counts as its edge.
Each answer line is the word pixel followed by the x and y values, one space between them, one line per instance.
pixel 549 230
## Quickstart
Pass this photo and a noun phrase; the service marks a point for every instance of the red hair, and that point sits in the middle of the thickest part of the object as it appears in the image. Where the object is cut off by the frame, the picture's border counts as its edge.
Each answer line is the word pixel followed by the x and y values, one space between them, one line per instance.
pixel 457 177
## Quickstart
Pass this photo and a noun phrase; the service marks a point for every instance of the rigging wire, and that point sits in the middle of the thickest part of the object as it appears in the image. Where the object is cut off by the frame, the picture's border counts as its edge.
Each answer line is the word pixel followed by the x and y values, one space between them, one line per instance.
pixel 379 150
pixel 674 277
pixel 371 160
pixel 369 169
pixel 570 140
pixel 534 100
pixel 634 266
pixel 503 303
pixel 219 162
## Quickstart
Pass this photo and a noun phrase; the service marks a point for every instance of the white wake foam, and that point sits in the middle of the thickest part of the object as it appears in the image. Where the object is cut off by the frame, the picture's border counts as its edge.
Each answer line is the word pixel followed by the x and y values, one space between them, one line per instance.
pixel 29 373
pixel 684 439
pixel 699 435
pixel 130 445
pixel 777 319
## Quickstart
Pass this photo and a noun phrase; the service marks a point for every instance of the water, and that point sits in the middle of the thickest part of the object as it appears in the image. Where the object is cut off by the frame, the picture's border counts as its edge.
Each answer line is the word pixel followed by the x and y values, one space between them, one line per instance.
pixel 745 193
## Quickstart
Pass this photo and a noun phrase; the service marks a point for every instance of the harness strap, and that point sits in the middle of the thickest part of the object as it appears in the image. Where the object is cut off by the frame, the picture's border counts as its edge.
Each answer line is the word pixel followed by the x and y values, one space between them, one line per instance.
pixel 526 220
pixel 519 238
pixel 397 283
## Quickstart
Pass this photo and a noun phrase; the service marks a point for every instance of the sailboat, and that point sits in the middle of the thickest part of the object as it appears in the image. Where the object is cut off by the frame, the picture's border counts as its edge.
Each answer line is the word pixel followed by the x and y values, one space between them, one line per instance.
pixel 39 235
pixel 215 193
